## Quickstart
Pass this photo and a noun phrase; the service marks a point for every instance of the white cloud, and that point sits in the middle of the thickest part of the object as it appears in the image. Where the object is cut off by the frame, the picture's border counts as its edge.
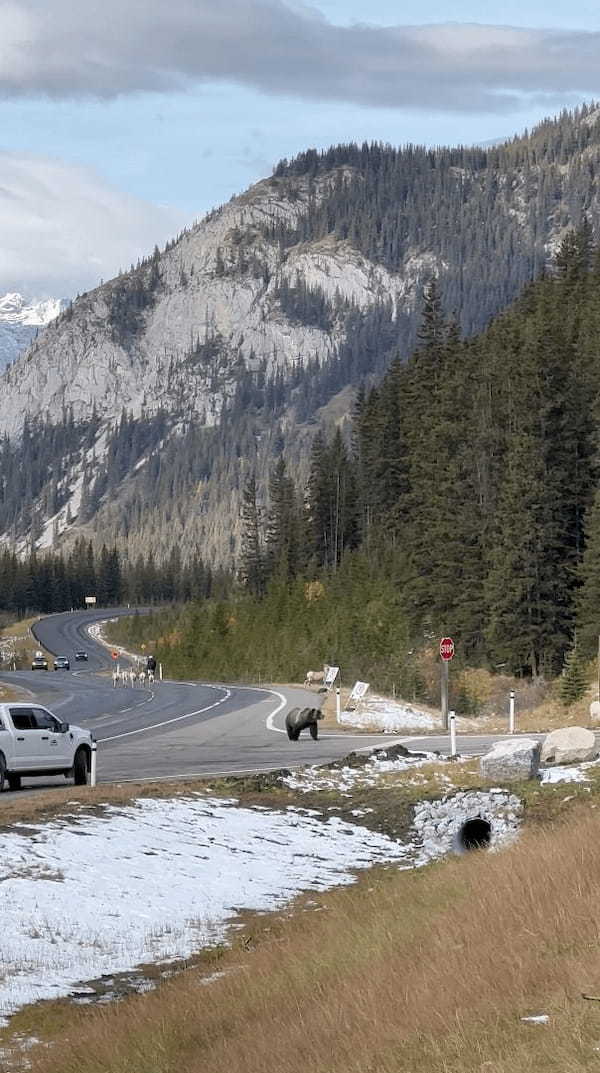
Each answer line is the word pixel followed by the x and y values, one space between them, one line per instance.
pixel 286 47
pixel 64 227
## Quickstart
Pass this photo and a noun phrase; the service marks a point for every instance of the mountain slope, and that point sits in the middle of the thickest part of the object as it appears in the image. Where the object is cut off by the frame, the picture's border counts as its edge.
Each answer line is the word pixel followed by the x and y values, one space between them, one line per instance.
pixel 137 341
pixel 244 330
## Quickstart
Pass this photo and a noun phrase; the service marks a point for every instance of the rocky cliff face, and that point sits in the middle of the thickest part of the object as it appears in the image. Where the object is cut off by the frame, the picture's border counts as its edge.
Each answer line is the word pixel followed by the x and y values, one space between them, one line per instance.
pixel 218 283
pixel 270 289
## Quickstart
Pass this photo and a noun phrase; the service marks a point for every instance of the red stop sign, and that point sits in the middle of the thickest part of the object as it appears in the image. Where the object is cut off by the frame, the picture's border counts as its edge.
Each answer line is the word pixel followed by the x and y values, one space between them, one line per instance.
pixel 446 648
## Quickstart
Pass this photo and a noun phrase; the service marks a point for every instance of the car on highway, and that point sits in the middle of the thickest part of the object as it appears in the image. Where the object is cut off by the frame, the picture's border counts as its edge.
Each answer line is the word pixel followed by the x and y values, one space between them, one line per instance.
pixel 33 741
pixel 61 663
pixel 39 662
pixel 81 655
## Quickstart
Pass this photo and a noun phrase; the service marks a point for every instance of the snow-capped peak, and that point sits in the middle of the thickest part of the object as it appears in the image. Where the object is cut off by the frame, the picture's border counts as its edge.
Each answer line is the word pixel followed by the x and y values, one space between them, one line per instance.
pixel 16 309
pixel 20 317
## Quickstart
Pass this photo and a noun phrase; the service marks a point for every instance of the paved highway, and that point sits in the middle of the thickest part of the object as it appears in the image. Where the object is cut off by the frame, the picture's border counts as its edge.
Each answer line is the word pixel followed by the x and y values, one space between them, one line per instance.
pixel 176 729
pixel 171 729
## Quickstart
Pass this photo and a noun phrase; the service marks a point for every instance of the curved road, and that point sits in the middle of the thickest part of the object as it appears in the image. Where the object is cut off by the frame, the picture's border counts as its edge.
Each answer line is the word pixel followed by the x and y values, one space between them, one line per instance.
pixel 178 729
pixel 171 729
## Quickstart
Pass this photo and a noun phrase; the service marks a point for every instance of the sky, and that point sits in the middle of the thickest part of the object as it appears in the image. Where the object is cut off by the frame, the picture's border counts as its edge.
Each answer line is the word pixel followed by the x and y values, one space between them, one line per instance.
pixel 124 121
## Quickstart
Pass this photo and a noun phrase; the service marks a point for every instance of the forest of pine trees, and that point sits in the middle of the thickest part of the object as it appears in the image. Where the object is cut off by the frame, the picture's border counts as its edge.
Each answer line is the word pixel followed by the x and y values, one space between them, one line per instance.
pixel 57 582
pixel 477 462
pixel 485 211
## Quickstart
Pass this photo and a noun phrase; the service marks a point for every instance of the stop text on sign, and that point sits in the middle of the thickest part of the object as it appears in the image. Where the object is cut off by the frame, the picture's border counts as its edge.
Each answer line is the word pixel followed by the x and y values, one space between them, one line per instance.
pixel 446 649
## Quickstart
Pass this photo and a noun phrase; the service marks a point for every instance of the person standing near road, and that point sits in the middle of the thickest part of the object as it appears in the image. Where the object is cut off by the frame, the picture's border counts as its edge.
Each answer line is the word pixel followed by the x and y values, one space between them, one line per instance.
pixel 151 664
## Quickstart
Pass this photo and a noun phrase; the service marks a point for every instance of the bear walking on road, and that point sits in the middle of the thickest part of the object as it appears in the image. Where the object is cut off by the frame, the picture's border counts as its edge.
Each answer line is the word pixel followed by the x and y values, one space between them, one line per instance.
pixel 297 719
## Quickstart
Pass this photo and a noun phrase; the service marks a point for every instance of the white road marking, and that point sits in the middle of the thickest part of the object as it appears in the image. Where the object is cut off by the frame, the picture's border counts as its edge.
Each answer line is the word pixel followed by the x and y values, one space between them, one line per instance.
pixel 278 730
pixel 252 689
pixel 168 722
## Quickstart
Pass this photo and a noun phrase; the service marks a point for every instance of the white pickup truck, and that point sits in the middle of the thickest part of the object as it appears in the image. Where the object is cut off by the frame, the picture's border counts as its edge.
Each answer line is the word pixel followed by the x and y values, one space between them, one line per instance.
pixel 35 742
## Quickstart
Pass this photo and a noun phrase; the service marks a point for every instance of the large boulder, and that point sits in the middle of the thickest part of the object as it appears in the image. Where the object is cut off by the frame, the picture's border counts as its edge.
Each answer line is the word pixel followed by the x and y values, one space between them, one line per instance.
pixel 518 758
pixel 570 745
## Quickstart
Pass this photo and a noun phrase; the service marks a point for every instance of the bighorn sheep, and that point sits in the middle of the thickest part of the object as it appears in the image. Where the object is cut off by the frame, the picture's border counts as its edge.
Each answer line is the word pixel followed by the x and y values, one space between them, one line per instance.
pixel 312 677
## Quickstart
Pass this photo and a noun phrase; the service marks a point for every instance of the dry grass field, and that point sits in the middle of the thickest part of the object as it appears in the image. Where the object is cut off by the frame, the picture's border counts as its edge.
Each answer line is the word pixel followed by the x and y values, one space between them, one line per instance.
pixel 407 972
pixel 24 643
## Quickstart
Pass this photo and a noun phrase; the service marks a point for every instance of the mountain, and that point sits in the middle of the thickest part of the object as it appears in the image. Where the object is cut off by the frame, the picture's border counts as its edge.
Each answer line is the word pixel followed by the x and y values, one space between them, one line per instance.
pixel 21 320
pixel 160 390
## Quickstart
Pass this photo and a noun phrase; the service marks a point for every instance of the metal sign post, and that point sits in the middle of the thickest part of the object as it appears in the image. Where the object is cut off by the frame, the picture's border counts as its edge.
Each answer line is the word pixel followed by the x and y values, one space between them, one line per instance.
pixel 511 712
pixel 446 654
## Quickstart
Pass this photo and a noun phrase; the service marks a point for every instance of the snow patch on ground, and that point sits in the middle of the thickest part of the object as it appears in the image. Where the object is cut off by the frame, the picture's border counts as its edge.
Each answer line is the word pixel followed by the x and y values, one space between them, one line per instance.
pixel 553 775
pixel 96 631
pixel 570 773
pixel 88 896
pixel 390 716
pixel 345 779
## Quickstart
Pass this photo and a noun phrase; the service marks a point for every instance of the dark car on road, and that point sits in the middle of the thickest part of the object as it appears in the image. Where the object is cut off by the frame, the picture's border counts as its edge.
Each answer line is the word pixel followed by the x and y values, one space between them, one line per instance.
pixel 81 655
pixel 61 663
pixel 39 663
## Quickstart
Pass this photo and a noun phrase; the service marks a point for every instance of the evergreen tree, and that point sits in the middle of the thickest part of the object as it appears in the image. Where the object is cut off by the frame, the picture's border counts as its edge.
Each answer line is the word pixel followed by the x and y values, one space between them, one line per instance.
pixel 283 525
pixel 588 600
pixel 252 555
pixel 573 682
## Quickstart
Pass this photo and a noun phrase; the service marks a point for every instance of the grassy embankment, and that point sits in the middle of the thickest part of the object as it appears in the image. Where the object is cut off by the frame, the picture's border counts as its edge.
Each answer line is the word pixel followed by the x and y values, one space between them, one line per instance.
pixel 25 646
pixel 407 972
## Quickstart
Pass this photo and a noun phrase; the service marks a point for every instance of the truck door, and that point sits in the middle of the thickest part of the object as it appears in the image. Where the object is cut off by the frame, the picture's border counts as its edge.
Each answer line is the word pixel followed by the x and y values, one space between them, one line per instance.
pixel 6 741
pixel 56 747
pixel 28 743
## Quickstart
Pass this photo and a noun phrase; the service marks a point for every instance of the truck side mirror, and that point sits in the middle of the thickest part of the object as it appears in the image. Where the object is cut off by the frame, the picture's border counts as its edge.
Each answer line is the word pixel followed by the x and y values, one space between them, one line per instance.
pixel 64 728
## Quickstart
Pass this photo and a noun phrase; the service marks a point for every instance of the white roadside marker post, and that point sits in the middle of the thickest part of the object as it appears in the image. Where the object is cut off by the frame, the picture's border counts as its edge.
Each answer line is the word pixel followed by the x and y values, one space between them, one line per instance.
pixel 511 712
pixel 160 671
pixel 338 703
pixel 93 764
pixel 452 722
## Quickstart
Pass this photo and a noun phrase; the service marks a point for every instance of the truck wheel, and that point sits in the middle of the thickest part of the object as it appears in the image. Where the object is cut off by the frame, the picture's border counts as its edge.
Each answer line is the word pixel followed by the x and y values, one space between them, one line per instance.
pixel 14 782
pixel 2 772
pixel 314 731
pixel 80 768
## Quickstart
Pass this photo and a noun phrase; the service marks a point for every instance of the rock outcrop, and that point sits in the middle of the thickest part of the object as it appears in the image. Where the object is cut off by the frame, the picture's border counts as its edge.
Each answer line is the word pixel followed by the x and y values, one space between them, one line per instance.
pixel 570 745
pixel 510 760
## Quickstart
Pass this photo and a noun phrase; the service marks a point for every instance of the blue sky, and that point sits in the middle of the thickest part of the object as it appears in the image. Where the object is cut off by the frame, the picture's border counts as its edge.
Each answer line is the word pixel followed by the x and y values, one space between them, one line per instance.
pixel 159 112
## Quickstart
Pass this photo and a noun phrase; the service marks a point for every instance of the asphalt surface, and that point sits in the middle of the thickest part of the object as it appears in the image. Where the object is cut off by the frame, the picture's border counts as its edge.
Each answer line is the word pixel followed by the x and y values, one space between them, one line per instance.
pixel 170 729
pixel 178 729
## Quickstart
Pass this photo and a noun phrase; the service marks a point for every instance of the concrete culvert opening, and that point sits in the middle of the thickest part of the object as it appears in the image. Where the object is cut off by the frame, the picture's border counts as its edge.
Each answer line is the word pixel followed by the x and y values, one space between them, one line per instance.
pixel 475 834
